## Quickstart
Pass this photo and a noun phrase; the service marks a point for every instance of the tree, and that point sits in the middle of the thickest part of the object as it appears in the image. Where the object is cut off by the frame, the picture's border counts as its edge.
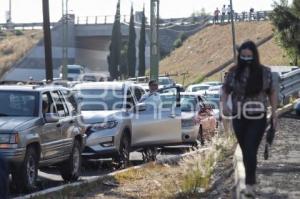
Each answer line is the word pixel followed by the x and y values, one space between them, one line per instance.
pixel 286 19
pixel 124 64
pixel 115 46
pixel 142 46
pixel 131 47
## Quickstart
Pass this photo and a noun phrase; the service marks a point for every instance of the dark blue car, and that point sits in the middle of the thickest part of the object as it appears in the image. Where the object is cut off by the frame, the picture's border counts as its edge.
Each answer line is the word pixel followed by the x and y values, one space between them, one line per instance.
pixel 297 108
pixel 3 179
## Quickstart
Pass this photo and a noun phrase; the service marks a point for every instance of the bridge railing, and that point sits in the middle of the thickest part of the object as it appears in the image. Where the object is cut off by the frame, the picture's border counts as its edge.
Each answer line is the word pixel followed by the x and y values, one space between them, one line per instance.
pixel 289 85
pixel 103 19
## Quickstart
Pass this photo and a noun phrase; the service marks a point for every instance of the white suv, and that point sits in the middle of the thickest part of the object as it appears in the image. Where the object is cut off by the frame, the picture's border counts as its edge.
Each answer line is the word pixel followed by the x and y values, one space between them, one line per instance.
pixel 117 123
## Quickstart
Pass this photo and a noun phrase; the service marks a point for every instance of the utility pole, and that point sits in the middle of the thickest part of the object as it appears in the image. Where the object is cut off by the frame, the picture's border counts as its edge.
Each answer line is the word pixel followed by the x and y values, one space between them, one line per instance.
pixel 154 40
pixel 233 31
pixel 47 41
pixel 9 14
pixel 65 54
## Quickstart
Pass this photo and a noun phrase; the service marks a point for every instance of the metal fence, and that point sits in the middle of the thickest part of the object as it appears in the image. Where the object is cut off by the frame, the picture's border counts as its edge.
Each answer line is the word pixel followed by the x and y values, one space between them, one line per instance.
pixel 289 86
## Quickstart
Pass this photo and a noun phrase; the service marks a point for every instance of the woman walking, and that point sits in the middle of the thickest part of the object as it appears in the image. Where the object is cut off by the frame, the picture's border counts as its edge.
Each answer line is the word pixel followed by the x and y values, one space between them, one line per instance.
pixel 252 89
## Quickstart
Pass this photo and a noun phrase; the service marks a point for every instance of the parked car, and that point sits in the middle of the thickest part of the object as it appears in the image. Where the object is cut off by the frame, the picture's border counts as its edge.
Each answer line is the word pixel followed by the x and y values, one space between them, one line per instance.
pixel 73 72
pixel 199 88
pixel 38 127
pixel 202 111
pixel 213 83
pixel 117 123
pixel 165 82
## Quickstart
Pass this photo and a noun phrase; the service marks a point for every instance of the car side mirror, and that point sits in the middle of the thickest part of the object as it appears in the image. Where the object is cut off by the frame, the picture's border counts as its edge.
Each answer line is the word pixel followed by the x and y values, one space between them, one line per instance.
pixel 141 107
pixel 51 117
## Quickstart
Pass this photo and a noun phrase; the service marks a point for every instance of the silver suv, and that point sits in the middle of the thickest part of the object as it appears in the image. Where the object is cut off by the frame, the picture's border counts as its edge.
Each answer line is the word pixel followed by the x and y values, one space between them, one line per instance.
pixel 117 123
pixel 39 127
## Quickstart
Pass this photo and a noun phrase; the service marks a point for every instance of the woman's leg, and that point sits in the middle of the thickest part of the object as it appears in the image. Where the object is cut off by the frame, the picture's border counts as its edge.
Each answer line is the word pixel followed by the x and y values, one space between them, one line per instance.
pixel 252 138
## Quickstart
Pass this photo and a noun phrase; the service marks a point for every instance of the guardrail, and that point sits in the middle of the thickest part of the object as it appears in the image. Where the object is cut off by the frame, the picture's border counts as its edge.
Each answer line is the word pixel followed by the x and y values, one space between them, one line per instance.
pixel 289 86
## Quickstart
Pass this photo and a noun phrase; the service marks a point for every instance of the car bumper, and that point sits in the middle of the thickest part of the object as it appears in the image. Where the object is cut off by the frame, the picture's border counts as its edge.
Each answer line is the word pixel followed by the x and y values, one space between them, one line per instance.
pixel 13 156
pixel 101 143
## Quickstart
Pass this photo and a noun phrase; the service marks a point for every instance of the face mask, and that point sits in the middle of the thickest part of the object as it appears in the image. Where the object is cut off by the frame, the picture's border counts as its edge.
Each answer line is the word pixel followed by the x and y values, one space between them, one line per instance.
pixel 246 60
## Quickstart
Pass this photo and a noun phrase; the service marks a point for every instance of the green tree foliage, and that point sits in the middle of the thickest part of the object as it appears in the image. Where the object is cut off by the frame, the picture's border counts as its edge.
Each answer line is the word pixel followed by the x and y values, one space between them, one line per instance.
pixel 142 46
pixel 286 19
pixel 131 47
pixel 115 46
pixel 124 64
pixel 179 41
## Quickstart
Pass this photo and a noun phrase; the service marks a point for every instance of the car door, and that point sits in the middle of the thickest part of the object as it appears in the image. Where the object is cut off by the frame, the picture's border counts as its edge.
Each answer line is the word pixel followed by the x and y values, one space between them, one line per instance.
pixel 204 115
pixel 51 132
pixel 156 124
pixel 66 122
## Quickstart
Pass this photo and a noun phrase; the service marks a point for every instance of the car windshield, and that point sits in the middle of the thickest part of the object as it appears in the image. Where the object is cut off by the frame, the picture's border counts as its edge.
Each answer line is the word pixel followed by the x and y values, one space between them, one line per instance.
pixel 188 103
pixel 19 104
pixel 99 99
pixel 213 101
pixel 200 88
pixel 164 81
pixel 74 70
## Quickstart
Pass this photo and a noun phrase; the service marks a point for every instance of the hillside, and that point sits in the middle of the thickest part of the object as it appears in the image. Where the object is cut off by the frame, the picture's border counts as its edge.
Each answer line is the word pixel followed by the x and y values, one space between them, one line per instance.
pixel 212 47
pixel 14 46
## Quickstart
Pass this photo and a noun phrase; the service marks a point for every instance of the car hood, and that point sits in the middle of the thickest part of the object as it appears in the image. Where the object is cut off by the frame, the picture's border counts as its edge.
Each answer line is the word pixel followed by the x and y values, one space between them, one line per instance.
pixel 187 115
pixel 15 123
pixel 91 117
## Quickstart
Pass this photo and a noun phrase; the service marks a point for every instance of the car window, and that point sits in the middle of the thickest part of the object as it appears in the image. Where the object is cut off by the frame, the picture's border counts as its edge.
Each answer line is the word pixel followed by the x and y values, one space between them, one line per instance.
pixel 47 103
pixel 19 104
pixel 188 103
pixel 130 103
pixel 62 112
pixel 65 103
pixel 138 93
pixel 99 99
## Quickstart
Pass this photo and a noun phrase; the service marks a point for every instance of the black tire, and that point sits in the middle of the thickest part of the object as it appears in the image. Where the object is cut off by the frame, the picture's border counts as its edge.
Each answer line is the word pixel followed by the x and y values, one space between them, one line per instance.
pixel 200 137
pixel 122 161
pixel 149 154
pixel 70 169
pixel 24 177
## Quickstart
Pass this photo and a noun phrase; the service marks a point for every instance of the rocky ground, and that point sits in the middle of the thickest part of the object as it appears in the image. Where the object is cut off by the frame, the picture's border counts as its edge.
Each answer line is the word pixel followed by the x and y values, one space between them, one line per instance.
pixel 279 177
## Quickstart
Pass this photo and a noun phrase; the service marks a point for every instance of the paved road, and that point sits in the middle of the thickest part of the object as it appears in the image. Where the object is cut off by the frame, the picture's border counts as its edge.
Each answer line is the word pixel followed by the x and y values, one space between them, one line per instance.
pixel 50 177
pixel 279 177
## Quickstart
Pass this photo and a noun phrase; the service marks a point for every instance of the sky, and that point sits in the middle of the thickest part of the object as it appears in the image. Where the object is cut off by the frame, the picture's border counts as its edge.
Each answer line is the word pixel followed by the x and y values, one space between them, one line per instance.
pixel 31 10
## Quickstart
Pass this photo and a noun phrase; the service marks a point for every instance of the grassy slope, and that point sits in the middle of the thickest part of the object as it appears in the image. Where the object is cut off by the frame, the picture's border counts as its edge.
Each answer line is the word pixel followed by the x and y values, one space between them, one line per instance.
pixel 213 46
pixel 13 48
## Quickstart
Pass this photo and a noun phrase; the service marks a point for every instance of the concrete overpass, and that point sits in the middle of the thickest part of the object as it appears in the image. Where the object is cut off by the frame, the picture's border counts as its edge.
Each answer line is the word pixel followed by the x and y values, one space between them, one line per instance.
pixel 88 45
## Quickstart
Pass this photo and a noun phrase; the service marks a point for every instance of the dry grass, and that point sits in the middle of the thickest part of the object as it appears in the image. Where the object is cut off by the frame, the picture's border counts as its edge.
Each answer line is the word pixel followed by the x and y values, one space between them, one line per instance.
pixel 212 47
pixel 271 54
pixel 13 47
pixel 187 178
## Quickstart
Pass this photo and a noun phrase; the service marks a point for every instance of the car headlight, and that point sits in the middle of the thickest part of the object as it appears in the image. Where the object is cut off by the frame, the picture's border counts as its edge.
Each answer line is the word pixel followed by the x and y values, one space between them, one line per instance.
pixel 9 138
pixel 104 125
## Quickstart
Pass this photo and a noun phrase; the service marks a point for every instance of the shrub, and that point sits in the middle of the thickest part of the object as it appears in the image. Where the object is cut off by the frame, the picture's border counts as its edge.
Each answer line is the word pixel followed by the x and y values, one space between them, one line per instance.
pixel 19 33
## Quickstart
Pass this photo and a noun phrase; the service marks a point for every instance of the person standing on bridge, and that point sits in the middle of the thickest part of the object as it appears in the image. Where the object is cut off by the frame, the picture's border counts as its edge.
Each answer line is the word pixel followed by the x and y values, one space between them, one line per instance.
pixel 216 16
pixel 223 14
pixel 251 87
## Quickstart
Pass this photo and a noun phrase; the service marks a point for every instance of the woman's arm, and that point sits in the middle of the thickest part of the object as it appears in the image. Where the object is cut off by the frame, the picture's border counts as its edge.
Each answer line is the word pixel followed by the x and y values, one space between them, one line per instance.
pixel 224 107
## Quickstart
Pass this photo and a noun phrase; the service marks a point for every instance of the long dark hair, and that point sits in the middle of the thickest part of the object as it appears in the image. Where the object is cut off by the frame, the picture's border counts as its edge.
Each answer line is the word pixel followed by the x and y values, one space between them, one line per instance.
pixel 255 81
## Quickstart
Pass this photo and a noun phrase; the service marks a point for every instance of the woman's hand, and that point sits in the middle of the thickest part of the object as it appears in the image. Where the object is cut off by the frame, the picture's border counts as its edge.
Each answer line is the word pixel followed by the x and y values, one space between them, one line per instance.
pixel 274 121
pixel 226 110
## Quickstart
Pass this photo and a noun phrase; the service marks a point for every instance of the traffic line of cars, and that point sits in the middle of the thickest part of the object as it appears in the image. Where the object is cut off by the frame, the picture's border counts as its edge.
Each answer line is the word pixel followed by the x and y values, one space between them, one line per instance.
pixel 46 125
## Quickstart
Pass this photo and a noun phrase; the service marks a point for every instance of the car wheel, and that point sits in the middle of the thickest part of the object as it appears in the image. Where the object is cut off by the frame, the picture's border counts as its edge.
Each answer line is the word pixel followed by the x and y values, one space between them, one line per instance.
pixel 149 154
pixel 122 160
pixel 200 136
pixel 70 169
pixel 24 177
